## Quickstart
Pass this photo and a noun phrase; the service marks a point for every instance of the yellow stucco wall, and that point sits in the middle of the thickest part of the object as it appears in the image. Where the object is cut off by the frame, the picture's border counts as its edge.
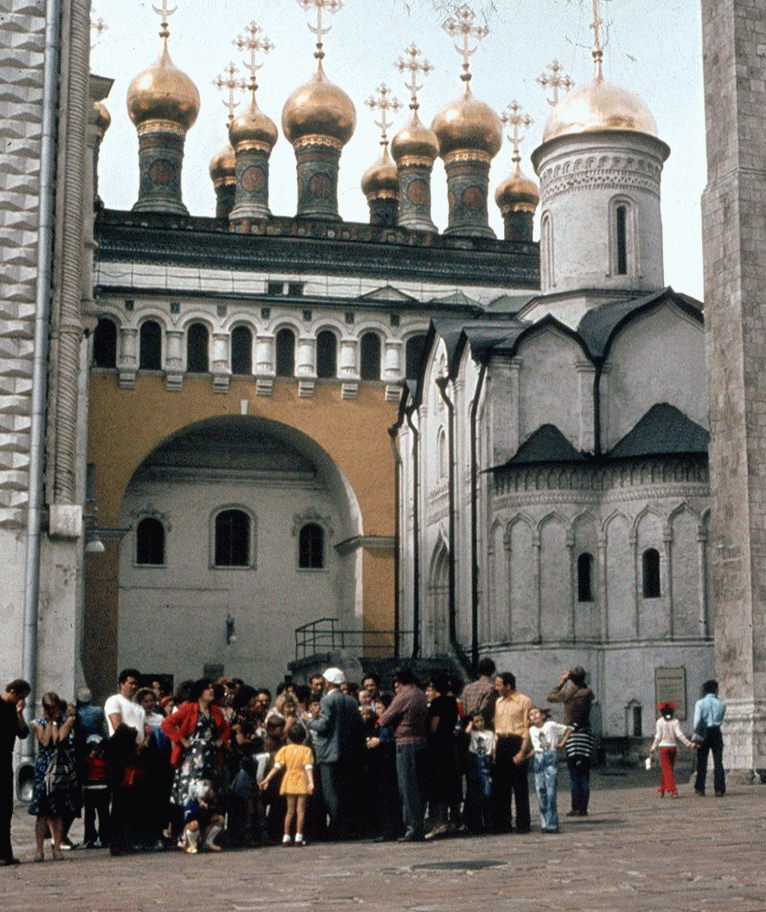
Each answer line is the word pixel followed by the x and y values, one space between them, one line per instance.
pixel 125 425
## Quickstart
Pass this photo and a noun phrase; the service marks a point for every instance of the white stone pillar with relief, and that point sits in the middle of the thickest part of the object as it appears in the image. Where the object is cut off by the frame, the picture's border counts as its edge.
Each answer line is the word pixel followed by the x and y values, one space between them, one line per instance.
pixel 127 361
pixel 174 361
pixel 220 362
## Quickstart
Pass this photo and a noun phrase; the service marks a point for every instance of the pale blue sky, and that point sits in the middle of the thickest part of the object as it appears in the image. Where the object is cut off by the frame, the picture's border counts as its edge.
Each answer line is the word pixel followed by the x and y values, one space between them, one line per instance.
pixel 652 47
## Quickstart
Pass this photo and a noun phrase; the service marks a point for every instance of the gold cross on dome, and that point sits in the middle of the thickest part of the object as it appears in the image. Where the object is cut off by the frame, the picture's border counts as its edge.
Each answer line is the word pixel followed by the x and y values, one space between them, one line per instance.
pixel 556 81
pixel 383 103
pixel 97 28
pixel 330 6
pixel 513 118
pixel 165 13
pixel 461 28
pixel 228 80
pixel 254 43
pixel 414 66
pixel 598 50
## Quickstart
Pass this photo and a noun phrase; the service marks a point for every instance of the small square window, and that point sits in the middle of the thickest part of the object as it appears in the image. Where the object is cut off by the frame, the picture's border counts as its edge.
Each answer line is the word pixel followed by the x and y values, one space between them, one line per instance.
pixel 295 289
pixel 265 313
pixel 175 307
pixel 394 319
pixel 275 288
pixel 349 318
pixel 220 310
pixel 129 306
pixel 307 315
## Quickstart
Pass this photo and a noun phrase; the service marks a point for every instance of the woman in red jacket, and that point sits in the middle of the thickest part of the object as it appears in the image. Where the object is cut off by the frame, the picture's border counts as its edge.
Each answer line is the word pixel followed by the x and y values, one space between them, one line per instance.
pixel 198 731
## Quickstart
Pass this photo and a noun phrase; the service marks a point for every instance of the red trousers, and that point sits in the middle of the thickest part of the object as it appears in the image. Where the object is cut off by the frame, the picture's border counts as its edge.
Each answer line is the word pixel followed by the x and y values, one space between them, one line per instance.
pixel 667 759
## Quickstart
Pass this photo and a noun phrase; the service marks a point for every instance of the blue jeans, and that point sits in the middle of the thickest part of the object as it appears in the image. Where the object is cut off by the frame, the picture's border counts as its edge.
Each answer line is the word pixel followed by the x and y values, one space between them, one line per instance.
pixel 478 796
pixel 409 760
pixel 545 766
pixel 579 782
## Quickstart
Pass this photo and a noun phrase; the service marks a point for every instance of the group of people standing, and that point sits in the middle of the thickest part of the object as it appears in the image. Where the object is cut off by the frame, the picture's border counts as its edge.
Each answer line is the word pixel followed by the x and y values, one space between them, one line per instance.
pixel 217 763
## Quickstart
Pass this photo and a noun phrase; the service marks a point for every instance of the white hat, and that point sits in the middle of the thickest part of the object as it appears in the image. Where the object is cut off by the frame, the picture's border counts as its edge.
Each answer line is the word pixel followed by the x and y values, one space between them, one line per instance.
pixel 334 676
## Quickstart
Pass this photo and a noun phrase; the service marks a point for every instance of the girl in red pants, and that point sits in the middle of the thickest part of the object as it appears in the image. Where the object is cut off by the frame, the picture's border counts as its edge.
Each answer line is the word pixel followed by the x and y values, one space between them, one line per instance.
pixel 667 732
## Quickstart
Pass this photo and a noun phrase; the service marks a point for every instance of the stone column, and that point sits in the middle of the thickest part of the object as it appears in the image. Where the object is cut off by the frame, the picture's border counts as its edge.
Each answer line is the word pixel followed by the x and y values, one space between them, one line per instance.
pixel 734 237
pixel 127 361
pixel 174 361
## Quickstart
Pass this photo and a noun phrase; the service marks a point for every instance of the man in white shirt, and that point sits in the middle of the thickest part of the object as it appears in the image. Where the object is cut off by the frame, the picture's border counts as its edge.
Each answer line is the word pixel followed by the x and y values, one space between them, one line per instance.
pixel 120 707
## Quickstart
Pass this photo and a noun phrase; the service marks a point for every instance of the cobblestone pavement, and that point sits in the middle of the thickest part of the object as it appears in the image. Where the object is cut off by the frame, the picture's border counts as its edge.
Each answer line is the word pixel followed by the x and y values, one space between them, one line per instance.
pixel 633 852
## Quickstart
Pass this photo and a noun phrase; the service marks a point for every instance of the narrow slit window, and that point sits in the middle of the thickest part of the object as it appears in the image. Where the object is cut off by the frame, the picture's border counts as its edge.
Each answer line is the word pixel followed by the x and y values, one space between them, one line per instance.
pixel 196 352
pixel 285 353
pixel 150 346
pixel 150 542
pixel 650 567
pixel 241 350
pixel 311 547
pixel 585 578
pixel 327 354
pixel 621 216
pixel 370 356
pixel 105 344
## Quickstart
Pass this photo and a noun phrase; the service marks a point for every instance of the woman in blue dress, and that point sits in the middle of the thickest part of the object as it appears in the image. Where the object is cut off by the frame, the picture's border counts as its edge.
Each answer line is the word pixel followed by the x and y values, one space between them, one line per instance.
pixel 54 791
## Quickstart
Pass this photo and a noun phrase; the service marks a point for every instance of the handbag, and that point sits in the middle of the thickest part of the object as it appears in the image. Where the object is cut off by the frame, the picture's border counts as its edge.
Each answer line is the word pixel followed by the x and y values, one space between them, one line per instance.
pixel 60 774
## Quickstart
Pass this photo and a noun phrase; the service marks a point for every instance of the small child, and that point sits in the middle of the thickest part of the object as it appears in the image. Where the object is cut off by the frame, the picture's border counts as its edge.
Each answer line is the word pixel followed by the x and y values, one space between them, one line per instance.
pixel 96 793
pixel 478 799
pixel 667 731
pixel 200 819
pixel 296 759
pixel 546 737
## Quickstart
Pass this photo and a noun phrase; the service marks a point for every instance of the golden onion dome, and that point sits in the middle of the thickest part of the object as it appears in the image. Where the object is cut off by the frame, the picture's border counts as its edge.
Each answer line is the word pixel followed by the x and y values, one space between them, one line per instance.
pixel 599 106
pixel 223 165
pixel 103 117
pixel 319 108
pixel 253 126
pixel 468 124
pixel 163 92
pixel 415 139
pixel 517 193
pixel 381 179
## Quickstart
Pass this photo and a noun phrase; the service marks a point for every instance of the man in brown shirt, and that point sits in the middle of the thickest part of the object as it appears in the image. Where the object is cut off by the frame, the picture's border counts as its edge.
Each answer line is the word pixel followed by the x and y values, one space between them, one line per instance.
pixel 577 697
pixel 479 695
pixel 509 776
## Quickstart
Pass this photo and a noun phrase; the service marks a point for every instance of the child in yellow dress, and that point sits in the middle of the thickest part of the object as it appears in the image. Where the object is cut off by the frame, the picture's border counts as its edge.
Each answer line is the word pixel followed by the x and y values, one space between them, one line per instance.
pixel 296 759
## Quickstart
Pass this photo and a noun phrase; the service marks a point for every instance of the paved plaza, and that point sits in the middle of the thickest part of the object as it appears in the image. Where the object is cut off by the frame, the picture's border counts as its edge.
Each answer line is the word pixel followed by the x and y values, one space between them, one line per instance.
pixel 635 852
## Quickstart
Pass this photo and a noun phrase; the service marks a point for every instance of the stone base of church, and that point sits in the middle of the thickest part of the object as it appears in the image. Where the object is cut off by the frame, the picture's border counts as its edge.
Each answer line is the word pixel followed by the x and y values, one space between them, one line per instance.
pixel 744 733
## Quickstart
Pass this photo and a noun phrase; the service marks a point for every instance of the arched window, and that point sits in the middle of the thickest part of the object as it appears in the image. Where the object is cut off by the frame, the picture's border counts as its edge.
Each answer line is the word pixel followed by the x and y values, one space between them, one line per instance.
pixel 370 356
pixel 150 542
pixel 311 547
pixel 650 572
pixel 413 353
pixel 150 346
pixel 232 539
pixel 196 349
pixel 285 353
pixel 585 578
pixel 105 344
pixel 327 354
pixel 241 350
pixel 621 239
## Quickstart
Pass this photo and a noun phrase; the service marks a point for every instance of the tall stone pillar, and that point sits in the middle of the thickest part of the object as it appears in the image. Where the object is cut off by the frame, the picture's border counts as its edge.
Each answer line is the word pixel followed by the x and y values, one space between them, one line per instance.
pixel 734 241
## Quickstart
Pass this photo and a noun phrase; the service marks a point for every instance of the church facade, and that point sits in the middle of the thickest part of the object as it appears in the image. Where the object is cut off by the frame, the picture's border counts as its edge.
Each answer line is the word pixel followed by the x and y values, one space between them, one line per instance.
pixel 555 496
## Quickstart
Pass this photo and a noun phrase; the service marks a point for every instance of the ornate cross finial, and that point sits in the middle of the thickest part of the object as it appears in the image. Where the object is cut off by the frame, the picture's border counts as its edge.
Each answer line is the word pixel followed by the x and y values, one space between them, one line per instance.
pixel 513 118
pixel 598 51
pixel 254 43
pixel 165 14
pixel 414 66
pixel 460 27
pixel 228 80
pixel 556 81
pixel 381 101
pixel 97 28
pixel 331 6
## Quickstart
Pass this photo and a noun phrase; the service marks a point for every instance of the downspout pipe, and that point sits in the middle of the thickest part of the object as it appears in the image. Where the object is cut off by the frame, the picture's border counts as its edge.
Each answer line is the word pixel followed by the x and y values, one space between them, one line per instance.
pixel 41 337
pixel 415 534
pixel 393 437
pixel 475 518
pixel 443 383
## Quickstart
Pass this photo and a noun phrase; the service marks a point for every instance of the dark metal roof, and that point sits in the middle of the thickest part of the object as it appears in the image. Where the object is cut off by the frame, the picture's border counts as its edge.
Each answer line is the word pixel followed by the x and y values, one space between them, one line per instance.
pixel 299 245
pixel 546 444
pixel 663 430
pixel 598 326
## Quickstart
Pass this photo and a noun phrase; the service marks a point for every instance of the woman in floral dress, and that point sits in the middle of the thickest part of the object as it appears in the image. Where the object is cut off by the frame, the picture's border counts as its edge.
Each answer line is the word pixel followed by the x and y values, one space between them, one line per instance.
pixel 198 731
pixel 55 784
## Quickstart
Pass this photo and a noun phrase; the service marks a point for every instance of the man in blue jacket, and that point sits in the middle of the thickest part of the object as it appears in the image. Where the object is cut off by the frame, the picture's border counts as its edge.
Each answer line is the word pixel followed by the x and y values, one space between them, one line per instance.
pixel 708 716
pixel 339 746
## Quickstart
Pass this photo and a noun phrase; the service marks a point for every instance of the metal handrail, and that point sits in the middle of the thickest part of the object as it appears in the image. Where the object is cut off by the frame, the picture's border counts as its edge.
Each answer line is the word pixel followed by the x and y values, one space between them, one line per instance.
pixel 324 635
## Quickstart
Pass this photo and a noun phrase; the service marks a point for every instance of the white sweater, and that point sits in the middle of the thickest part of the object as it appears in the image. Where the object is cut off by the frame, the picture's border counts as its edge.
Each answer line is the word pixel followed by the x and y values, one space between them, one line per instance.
pixel 666 733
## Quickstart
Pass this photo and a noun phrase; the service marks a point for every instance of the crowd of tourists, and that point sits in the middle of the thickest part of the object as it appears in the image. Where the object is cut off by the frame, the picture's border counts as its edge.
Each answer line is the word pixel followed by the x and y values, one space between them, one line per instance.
pixel 222 764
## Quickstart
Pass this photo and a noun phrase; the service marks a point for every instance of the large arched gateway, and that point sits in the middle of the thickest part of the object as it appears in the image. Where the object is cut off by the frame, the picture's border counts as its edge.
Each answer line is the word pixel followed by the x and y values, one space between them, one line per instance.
pixel 229 534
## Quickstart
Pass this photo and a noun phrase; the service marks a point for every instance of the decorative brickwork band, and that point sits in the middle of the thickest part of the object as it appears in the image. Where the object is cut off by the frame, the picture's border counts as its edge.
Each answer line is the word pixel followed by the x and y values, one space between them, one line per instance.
pixel 160 158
